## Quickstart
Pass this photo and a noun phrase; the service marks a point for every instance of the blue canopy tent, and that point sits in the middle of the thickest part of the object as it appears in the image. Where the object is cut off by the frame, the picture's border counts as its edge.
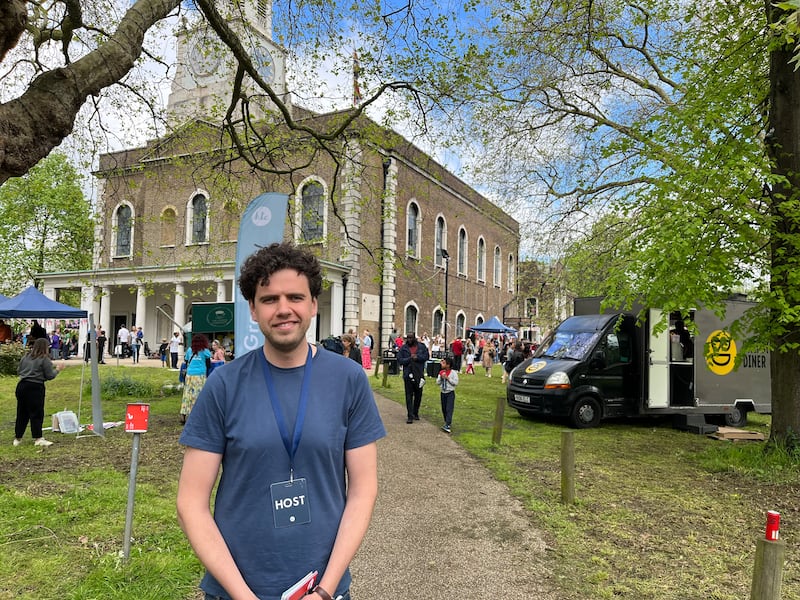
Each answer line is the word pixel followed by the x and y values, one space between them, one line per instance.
pixel 493 325
pixel 30 303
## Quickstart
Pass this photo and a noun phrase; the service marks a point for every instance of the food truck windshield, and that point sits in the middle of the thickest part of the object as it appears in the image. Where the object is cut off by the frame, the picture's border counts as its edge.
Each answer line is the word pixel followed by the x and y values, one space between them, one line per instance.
pixel 571 345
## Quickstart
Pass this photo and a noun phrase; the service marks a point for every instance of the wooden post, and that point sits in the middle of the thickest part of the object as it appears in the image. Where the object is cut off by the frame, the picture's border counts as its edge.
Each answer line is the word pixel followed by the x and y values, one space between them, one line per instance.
pixel 385 382
pixel 768 570
pixel 568 467
pixel 499 414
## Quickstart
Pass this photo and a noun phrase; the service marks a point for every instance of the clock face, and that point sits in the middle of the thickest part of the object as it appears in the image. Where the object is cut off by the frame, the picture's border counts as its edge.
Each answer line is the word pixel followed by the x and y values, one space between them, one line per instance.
pixel 204 57
pixel 262 61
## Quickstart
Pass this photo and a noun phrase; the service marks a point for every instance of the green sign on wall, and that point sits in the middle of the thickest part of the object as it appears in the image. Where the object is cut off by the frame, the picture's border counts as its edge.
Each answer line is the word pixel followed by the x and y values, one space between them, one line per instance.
pixel 210 317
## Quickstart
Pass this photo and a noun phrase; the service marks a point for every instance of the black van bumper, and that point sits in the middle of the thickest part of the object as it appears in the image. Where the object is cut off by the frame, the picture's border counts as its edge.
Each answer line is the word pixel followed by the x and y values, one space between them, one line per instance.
pixel 539 402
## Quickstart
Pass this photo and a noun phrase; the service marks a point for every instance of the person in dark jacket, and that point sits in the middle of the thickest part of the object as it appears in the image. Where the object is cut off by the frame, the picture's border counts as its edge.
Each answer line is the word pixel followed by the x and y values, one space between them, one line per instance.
pixel 413 357
pixel 350 350
pixel 517 358
pixel 34 369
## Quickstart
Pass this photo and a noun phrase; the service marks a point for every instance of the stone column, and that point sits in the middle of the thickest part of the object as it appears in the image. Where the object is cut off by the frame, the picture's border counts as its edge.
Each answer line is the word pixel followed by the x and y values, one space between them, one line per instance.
pixel 180 306
pixel 105 314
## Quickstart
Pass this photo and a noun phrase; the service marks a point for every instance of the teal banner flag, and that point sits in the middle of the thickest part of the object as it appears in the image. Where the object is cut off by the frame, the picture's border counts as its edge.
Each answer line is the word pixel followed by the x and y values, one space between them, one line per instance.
pixel 262 224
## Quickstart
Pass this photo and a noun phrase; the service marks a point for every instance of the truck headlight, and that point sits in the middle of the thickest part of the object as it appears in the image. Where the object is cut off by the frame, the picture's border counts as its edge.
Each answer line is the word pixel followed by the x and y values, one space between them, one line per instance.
pixel 557 381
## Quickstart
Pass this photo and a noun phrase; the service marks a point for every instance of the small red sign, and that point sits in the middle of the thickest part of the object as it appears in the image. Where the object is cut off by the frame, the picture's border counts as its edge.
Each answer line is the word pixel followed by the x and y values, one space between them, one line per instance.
pixel 136 417
pixel 773 525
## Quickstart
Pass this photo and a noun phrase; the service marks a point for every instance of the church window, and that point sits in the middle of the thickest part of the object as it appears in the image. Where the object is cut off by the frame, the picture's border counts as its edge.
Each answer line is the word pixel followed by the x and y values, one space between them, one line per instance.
pixel 462 251
pixel 198 219
pixel 412 230
pixel 481 260
pixel 411 319
pixel 312 228
pixel 169 222
pixel 123 230
pixel 438 320
pixel 441 239
pixel 497 267
pixel 461 322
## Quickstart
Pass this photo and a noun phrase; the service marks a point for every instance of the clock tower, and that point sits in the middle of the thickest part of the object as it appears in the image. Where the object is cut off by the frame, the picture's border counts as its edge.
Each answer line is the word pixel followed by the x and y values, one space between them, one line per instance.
pixel 206 68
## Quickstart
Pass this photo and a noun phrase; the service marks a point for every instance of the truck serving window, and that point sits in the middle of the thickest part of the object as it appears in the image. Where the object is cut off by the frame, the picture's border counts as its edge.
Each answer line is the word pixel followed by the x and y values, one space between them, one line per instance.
pixel 573 345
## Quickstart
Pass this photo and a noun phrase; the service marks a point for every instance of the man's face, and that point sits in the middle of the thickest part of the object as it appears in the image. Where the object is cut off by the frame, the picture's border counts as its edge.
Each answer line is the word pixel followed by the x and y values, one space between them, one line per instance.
pixel 283 310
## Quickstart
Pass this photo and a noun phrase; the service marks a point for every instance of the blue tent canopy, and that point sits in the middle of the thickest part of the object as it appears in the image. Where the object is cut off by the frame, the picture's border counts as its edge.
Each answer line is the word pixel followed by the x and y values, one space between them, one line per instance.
pixel 32 304
pixel 493 325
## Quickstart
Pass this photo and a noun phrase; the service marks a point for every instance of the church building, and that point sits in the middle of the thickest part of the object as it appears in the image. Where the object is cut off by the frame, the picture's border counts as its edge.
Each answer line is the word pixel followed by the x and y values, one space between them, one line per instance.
pixel 402 241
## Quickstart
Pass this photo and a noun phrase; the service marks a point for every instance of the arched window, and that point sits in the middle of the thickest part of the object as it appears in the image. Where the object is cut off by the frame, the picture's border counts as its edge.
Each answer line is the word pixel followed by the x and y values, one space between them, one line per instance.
pixel 440 240
pixel 197 215
pixel 511 273
pixel 411 319
pixel 498 266
pixel 412 230
pixel 123 230
pixel 312 217
pixel 462 251
pixel 481 259
pixel 169 220
pixel 479 320
pixel 460 324
pixel 438 320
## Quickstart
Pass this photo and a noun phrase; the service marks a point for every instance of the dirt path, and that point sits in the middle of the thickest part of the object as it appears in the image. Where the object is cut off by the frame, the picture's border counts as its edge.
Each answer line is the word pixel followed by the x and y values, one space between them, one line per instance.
pixel 443 528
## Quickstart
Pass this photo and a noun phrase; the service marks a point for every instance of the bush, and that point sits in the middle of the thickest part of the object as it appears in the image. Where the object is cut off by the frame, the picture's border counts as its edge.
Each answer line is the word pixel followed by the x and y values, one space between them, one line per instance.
pixel 124 385
pixel 10 355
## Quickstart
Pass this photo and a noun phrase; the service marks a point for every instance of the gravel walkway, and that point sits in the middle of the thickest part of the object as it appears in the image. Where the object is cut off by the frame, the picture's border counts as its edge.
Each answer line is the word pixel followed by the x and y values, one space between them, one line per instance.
pixel 443 527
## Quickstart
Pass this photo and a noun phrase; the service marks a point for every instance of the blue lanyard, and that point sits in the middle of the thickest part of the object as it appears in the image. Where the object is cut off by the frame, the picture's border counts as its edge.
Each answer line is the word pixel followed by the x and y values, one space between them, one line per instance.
pixel 291 446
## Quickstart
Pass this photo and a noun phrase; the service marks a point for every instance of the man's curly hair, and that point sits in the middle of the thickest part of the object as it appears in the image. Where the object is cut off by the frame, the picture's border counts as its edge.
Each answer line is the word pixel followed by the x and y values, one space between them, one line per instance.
pixel 259 266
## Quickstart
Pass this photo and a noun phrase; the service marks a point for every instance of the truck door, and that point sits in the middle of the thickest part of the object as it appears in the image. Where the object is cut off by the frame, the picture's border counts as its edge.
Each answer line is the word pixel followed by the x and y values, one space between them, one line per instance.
pixel 657 364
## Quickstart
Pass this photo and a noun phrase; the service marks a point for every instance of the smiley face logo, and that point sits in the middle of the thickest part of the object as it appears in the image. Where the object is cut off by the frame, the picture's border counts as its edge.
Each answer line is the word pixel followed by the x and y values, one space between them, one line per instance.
pixel 535 366
pixel 720 352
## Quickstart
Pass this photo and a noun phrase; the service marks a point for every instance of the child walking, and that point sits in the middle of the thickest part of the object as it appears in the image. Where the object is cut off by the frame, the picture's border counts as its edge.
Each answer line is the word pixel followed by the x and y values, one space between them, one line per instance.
pixel 163 350
pixel 447 379
pixel 470 358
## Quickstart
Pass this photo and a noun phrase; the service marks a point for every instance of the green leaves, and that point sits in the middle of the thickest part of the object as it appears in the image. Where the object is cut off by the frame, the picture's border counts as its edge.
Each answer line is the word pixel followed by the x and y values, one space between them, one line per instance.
pixel 45 223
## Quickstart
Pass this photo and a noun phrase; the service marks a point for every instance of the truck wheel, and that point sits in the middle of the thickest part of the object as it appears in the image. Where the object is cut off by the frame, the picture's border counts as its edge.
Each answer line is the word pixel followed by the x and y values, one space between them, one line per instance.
pixel 737 417
pixel 586 413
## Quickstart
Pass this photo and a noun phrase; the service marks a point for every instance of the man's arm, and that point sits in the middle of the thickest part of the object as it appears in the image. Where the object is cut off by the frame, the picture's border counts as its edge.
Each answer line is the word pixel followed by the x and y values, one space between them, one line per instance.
pixel 362 490
pixel 198 475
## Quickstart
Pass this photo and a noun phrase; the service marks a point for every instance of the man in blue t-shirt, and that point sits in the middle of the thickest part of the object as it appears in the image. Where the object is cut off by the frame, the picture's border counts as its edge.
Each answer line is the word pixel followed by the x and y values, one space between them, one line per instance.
pixel 293 428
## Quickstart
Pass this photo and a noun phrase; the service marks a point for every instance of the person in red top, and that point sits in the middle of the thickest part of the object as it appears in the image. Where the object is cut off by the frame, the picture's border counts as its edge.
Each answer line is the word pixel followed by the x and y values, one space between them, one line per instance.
pixel 458 351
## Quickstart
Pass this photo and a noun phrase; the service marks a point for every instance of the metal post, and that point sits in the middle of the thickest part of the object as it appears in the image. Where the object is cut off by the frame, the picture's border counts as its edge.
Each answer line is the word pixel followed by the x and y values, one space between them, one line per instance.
pixel 126 545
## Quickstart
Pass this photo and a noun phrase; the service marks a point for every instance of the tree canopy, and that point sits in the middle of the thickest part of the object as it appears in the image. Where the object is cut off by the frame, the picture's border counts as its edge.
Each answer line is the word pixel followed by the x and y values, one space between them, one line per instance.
pixel 45 224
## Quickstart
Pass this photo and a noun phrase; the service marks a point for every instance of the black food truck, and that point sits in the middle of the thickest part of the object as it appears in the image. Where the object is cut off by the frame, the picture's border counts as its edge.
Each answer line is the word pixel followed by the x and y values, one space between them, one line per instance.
pixel 597 365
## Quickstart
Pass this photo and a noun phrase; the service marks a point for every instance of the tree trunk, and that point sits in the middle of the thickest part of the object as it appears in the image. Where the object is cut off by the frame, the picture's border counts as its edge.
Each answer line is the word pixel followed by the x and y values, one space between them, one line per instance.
pixel 38 120
pixel 784 148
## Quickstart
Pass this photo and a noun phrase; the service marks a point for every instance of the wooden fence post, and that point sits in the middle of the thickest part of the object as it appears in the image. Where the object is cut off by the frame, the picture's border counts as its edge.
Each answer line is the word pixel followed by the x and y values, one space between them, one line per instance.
pixel 499 414
pixel 568 467
pixel 768 570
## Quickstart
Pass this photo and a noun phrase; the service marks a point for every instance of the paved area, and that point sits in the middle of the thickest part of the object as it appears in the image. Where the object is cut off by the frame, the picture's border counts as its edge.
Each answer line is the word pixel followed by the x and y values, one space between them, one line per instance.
pixel 443 528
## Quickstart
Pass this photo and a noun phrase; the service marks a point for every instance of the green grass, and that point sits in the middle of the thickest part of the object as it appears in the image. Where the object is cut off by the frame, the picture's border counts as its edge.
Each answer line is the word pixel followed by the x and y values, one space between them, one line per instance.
pixel 660 514
pixel 63 508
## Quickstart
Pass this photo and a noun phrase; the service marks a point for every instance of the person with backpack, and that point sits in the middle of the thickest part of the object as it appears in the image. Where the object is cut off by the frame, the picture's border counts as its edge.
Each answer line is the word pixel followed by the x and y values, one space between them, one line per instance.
pixel 198 363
